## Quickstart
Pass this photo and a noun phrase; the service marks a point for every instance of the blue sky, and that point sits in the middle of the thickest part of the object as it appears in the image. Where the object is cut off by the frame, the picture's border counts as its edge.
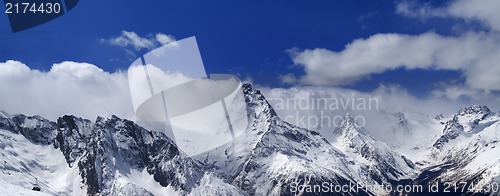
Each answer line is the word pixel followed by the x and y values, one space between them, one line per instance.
pixel 249 38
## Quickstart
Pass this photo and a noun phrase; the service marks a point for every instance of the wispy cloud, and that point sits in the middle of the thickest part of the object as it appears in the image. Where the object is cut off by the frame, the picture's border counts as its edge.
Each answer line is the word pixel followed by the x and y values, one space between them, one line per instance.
pixel 131 39
pixel 419 10
pixel 288 79
pixel 485 11
pixel 164 39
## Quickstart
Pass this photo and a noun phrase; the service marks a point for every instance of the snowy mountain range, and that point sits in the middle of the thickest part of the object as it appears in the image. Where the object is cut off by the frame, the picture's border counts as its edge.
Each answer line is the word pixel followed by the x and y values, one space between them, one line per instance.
pixel 114 156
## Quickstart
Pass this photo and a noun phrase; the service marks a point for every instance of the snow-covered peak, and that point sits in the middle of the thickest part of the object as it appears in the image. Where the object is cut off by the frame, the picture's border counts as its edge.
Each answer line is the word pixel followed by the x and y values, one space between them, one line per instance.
pixel 466 122
pixel 382 160
pixel 348 120
pixel 351 141
pixel 271 154
pixel 472 116
pixel 350 130
pixel 474 109
pixel 34 128
pixel 468 149
pixel 110 156
pixel 32 122
pixel 80 125
pixel 257 103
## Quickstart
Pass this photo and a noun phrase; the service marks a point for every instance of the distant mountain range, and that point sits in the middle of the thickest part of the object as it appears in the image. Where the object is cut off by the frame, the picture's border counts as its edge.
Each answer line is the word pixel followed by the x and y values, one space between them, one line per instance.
pixel 75 156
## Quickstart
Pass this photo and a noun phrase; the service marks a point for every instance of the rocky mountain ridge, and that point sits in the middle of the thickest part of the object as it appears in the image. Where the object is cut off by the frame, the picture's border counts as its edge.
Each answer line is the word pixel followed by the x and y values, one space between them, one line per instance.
pixel 114 156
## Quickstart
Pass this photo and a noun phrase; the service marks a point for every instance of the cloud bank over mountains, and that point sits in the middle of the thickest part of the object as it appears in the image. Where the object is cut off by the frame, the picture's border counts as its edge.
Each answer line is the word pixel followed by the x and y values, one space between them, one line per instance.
pixel 69 87
pixel 85 90
pixel 76 88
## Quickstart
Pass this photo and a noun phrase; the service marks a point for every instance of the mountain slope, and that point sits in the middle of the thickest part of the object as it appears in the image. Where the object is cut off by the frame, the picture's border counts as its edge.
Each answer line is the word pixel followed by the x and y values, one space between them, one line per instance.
pixel 468 151
pixel 272 155
pixel 103 157
pixel 385 165
pixel 113 156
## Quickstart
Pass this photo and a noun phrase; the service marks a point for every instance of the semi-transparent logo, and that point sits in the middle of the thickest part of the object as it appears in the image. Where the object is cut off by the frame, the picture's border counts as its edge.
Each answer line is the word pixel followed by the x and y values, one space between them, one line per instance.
pixel 170 88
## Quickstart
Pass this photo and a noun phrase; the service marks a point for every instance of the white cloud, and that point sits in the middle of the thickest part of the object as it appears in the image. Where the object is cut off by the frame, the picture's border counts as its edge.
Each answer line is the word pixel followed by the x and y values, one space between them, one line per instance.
pixel 475 54
pixel 130 38
pixel 390 98
pixel 423 11
pixel 460 93
pixel 457 92
pixel 13 69
pixel 287 79
pixel 485 11
pixel 79 89
pixel 164 39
